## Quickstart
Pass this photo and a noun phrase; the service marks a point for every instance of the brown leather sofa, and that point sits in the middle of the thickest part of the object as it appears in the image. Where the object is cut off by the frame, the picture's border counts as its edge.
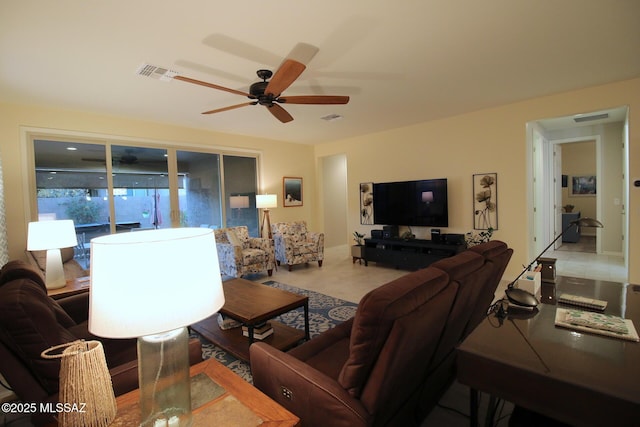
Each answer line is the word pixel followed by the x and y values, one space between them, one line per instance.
pixel 31 322
pixel 390 363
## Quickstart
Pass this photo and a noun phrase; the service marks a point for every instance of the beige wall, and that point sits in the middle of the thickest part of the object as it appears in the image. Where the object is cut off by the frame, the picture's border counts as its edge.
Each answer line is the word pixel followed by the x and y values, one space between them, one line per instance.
pixel 491 140
pixel 278 159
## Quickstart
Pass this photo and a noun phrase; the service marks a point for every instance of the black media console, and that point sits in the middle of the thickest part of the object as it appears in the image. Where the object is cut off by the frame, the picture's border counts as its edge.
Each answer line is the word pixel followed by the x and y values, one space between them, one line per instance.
pixel 410 254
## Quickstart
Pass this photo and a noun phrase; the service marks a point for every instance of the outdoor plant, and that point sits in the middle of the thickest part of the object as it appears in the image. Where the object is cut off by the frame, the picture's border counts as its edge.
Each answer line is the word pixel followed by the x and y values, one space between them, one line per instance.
pixel 82 211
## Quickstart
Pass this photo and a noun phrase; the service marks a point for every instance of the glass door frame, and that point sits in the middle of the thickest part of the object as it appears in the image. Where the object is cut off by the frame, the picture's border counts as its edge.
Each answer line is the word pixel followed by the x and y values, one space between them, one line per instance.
pixel 29 135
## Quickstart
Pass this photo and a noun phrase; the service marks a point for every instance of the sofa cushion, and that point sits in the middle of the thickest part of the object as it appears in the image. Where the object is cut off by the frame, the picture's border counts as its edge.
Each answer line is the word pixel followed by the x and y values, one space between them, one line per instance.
pixel 465 269
pixel 18 269
pixel 233 238
pixel 375 317
pixel 29 325
pixel 497 255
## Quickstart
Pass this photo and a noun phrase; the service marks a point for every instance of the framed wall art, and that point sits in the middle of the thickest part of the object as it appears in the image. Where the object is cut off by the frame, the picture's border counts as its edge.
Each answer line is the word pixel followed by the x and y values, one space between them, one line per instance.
pixel 583 185
pixel 292 191
pixel 485 201
pixel 366 203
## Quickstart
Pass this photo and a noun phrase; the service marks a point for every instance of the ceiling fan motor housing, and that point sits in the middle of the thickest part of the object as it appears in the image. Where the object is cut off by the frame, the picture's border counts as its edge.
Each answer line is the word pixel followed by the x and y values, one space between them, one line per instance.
pixel 257 92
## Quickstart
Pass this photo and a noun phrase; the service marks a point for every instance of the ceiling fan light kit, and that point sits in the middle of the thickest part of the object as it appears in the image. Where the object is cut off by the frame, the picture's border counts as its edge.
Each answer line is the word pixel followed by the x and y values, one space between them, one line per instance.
pixel 266 93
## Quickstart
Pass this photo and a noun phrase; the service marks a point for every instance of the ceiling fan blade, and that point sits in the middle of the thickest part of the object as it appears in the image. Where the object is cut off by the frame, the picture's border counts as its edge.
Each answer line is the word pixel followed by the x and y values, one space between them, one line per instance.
pixel 288 72
pixel 210 85
pixel 280 113
pixel 232 107
pixel 314 99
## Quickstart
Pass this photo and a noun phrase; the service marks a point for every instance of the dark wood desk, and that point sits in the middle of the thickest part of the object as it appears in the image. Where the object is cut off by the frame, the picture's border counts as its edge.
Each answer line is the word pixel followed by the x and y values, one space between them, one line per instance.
pixel 579 378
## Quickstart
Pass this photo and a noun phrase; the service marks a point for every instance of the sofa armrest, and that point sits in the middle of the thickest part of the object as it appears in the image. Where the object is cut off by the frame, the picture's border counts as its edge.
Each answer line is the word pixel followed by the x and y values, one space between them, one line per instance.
pixel 306 392
pixel 317 239
pixel 230 253
pixel 318 344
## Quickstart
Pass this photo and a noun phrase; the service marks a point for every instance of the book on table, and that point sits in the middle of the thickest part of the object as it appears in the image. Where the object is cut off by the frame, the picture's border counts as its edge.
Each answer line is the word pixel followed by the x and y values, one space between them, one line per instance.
pixel 260 331
pixel 597 323
pixel 581 301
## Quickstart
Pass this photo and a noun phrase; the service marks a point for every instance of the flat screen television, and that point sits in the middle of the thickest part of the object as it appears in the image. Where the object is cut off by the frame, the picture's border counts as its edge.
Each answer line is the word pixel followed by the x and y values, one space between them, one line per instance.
pixel 417 203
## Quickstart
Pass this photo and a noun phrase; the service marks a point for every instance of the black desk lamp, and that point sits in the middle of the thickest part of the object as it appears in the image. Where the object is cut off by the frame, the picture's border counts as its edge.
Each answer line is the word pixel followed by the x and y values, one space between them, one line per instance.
pixel 523 298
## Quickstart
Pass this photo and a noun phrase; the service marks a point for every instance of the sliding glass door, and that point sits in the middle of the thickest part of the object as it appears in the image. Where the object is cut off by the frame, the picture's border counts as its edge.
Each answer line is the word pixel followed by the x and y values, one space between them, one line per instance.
pixel 71 183
pixel 240 189
pixel 199 199
pixel 108 188
pixel 140 188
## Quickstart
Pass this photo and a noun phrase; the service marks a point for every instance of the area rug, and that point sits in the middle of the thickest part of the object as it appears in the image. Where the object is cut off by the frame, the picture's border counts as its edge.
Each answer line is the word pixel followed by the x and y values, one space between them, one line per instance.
pixel 325 312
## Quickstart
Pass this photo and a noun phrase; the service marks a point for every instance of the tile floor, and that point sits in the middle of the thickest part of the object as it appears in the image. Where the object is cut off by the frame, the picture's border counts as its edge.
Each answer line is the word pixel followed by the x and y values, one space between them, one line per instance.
pixel 589 265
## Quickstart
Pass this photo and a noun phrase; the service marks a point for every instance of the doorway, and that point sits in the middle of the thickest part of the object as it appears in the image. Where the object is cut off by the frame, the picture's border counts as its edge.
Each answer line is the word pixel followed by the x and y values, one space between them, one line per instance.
pixel 334 194
pixel 550 142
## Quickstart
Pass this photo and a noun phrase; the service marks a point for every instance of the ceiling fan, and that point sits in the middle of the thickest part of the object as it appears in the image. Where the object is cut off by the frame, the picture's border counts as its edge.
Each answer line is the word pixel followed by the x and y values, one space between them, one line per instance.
pixel 125 158
pixel 269 93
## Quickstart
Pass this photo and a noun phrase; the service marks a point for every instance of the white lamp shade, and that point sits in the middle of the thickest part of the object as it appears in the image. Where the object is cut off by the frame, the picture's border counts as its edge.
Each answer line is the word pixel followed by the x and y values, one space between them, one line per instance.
pixel 266 201
pixel 44 235
pixel 239 202
pixel 153 281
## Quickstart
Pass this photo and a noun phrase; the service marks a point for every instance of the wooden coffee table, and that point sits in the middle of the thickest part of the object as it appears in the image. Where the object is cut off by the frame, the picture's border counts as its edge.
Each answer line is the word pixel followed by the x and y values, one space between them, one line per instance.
pixel 253 303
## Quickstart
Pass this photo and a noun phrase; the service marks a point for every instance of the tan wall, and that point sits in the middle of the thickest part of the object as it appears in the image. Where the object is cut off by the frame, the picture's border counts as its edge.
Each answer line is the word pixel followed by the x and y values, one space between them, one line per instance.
pixel 491 140
pixel 278 159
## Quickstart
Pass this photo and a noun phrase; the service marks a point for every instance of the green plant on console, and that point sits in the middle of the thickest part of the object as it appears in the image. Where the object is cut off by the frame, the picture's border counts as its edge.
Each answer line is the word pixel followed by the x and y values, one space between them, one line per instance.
pixel 358 238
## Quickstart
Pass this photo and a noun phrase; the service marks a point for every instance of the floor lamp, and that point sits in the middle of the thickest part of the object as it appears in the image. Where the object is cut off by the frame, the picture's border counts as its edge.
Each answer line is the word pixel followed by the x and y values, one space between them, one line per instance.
pixel 151 285
pixel 266 202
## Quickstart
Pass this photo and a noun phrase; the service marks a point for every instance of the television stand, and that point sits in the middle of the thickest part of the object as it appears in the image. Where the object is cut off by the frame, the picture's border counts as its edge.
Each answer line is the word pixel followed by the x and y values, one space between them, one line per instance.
pixel 411 254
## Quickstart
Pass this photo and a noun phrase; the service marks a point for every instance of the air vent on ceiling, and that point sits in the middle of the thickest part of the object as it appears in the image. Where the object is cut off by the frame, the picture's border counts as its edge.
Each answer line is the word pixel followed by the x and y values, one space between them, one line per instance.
pixel 331 117
pixel 583 118
pixel 159 73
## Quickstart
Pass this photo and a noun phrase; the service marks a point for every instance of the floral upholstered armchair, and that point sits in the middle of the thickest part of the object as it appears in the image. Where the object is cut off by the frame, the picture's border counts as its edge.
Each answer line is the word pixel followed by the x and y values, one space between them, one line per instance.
pixel 240 254
pixel 296 245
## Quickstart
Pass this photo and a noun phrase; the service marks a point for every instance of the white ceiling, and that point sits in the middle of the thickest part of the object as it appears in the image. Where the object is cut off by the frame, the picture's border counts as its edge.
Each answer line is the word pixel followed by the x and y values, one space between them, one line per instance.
pixel 401 62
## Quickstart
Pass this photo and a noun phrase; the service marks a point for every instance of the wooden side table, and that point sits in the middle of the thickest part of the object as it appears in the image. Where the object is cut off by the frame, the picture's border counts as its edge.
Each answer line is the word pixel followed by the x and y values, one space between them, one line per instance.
pixel 75 286
pixel 219 397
